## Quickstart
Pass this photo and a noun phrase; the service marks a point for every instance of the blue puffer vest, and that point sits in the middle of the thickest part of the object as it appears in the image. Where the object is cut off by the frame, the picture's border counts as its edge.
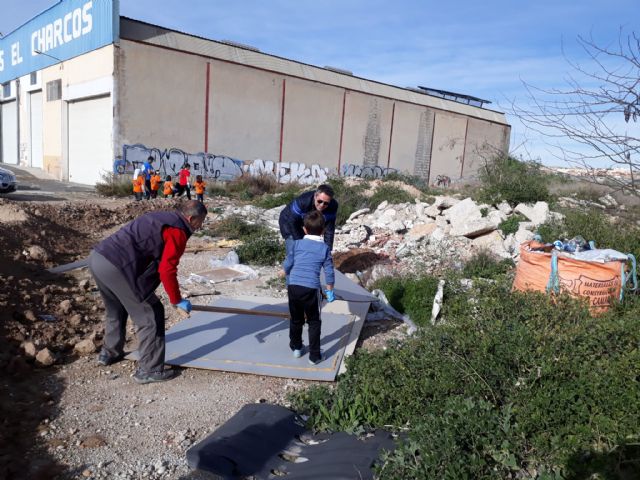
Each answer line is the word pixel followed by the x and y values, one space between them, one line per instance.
pixel 137 247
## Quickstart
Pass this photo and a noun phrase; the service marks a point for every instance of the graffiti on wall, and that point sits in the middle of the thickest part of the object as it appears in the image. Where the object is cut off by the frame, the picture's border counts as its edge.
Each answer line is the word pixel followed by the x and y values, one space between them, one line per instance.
pixel 365 171
pixel 287 172
pixel 218 167
pixel 171 160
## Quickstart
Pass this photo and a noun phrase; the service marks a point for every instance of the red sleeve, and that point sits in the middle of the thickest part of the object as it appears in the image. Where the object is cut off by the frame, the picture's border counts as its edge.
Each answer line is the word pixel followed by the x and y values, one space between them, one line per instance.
pixel 175 241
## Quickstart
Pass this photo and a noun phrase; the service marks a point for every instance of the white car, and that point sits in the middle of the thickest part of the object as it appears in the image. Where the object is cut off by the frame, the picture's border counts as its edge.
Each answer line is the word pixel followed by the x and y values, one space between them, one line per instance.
pixel 8 182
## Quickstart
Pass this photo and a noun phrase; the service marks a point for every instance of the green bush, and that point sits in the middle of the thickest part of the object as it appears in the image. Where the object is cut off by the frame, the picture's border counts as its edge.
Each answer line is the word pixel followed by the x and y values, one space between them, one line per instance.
pixel 410 295
pixel 285 195
pixel 510 385
pixel 260 244
pixel 112 185
pixel 391 193
pixel 514 181
pixel 511 224
pixel 594 225
pixel 261 251
pixel 483 264
pixel 351 198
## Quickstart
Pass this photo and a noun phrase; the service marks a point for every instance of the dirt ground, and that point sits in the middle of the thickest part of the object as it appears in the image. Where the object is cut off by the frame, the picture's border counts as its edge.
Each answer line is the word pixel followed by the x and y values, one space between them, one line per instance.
pixel 73 419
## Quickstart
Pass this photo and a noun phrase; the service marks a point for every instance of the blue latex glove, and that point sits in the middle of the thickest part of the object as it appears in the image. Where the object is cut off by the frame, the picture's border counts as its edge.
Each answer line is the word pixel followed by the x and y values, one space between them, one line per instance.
pixel 330 295
pixel 184 305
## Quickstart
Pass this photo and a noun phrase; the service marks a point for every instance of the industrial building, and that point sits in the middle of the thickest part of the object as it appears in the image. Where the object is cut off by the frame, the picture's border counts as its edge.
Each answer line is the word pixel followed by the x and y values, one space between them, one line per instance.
pixel 85 90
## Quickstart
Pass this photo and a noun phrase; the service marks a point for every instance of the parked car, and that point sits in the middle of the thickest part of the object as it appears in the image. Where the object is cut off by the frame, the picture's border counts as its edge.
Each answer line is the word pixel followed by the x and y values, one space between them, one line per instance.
pixel 8 182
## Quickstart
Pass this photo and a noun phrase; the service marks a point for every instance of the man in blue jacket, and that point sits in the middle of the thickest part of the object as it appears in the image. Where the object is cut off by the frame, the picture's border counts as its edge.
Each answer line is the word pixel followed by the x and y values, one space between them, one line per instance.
pixel 321 200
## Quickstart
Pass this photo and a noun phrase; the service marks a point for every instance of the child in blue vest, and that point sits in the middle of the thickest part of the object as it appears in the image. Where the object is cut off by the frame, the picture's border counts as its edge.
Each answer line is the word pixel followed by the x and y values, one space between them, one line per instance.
pixel 302 267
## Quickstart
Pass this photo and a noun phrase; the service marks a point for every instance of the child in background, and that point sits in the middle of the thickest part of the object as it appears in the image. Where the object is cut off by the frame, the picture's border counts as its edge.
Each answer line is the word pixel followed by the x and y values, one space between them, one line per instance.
pixel 183 181
pixel 200 185
pixel 302 267
pixel 168 187
pixel 155 184
pixel 138 184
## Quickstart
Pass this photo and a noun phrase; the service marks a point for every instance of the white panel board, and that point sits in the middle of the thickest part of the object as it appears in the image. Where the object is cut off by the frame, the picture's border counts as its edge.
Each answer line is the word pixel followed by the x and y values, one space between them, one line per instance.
pixel 35 104
pixel 90 144
pixel 9 139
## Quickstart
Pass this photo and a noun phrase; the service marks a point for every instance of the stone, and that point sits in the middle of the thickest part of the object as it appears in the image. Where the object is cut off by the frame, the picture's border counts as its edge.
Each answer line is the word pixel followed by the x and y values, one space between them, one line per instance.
pixel 84 284
pixel 36 252
pixel 357 214
pixel 504 207
pixel 523 235
pixel 75 320
pixel 608 201
pixel 473 228
pixel 444 202
pixel 420 231
pixel 29 315
pixel 537 213
pixel 45 357
pixel 65 306
pixel 463 213
pixel 29 348
pixel 492 242
pixel 85 347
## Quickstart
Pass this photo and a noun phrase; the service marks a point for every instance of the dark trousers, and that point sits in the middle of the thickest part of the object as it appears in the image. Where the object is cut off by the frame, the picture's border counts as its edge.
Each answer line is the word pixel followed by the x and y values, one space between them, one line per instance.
pixel 182 189
pixel 119 303
pixel 305 301
pixel 147 188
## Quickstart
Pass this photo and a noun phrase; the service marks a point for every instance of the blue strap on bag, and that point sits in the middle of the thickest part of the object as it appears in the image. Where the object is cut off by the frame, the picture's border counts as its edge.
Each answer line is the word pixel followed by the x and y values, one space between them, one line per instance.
pixel 554 282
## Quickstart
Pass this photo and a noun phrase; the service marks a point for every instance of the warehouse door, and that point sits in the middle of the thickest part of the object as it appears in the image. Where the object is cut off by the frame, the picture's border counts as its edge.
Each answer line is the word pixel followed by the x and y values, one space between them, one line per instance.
pixel 9 133
pixel 35 103
pixel 90 146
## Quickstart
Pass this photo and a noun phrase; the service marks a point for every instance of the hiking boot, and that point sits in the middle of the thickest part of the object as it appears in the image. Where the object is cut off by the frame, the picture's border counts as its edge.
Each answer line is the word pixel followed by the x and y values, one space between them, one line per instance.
pixel 105 359
pixel 152 377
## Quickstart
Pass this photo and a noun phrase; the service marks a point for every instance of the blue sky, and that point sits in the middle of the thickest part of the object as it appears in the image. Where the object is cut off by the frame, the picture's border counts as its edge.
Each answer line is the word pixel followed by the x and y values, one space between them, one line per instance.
pixel 485 49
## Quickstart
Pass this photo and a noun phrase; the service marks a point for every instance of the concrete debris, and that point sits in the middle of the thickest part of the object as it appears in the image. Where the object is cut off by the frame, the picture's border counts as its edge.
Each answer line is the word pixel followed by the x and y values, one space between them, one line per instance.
pixel 45 357
pixel 85 347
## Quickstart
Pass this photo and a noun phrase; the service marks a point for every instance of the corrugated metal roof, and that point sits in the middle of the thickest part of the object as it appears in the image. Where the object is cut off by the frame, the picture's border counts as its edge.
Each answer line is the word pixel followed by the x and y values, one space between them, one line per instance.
pixel 131 29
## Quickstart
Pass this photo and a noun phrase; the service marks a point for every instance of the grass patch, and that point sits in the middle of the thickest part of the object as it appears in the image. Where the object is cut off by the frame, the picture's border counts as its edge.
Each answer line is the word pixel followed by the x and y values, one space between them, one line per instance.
pixel 511 385
pixel 410 295
pixel 260 244
pixel 483 264
pixel 594 225
pixel 511 224
pixel 511 180
pixel 113 185
pixel 390 193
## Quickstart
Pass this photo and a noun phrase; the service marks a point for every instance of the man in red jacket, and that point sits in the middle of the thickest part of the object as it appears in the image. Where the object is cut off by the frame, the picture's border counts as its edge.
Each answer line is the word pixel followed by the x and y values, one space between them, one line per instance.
pixel 128 266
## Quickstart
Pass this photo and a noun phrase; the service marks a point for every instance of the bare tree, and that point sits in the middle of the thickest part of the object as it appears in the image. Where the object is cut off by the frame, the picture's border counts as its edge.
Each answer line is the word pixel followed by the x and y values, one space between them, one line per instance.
pixel 584 121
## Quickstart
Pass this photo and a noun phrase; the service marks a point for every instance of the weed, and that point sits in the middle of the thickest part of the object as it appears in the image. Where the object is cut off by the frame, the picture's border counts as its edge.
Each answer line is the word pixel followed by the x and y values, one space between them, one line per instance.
pixel 511 224
pixel 112 185
pixel 391 193
pixel 234 229
pixel 350 197
pixel 594 225
pixel 511 383
pixel 261 251
pixel 484 264
pixel 514 181
pixel 410 295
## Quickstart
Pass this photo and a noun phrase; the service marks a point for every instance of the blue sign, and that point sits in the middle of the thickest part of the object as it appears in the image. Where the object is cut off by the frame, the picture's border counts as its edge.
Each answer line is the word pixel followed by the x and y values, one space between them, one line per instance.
pixel 67 29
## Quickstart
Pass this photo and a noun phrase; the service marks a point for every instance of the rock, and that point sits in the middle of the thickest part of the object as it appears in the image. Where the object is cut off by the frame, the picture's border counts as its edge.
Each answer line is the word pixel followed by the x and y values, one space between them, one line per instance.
pixel 29 348
pixel 85 347
pixel 418 232
pixel 473 228
pixel 65 307
pixel 45 357
pixel 537 213
pixel 463 212
pixel 397 226
pixel 84 284
pixel 444 202
pixel 522 235
pixel 492 242
pixel 608 201
pixel 36 252
pixel 504 207
pixel 357 214
pixel 382 206
pixel 75 320
pixel 29 315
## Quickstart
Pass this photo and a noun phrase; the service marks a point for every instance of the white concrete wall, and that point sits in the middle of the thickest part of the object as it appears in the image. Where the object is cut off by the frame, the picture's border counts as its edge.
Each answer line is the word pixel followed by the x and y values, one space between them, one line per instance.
pixel 448 145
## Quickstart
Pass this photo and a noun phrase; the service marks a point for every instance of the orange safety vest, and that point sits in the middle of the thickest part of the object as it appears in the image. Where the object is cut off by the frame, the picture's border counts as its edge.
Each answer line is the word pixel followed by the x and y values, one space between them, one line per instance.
pixel 138 184
pixel 168 188
pixel 200 187
pixel 155 182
